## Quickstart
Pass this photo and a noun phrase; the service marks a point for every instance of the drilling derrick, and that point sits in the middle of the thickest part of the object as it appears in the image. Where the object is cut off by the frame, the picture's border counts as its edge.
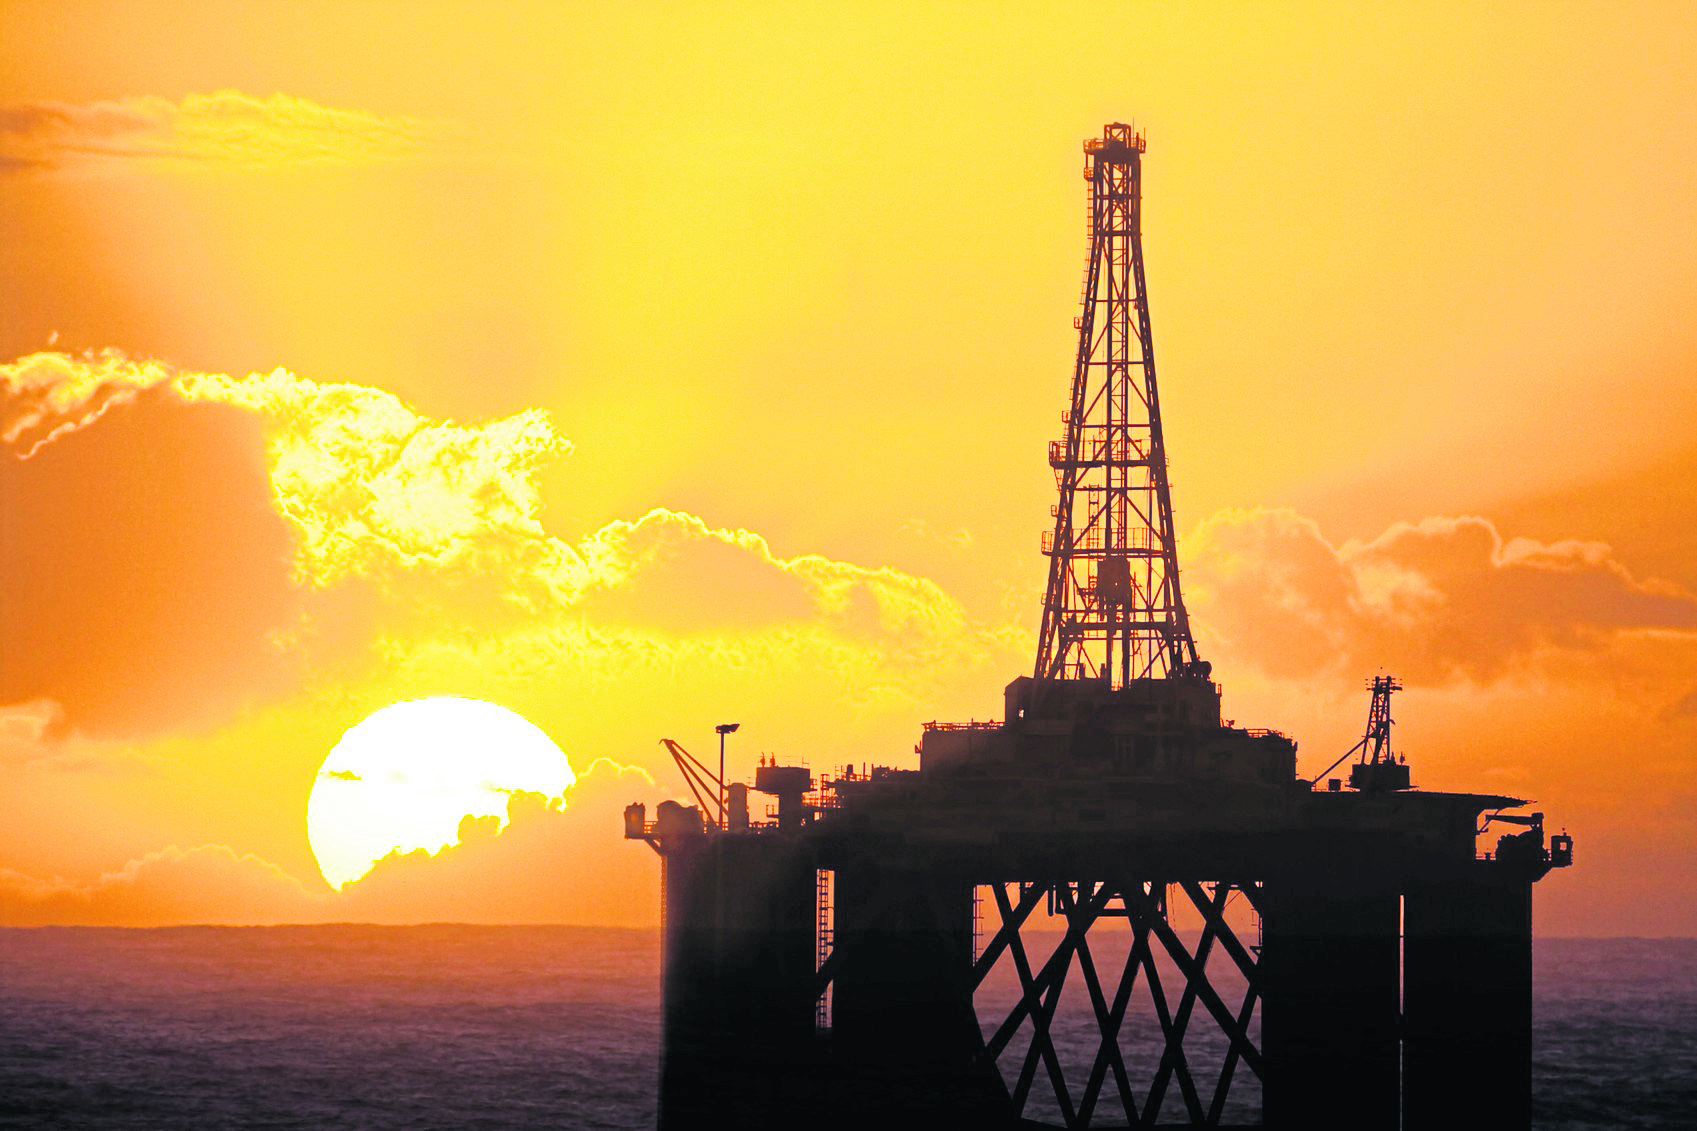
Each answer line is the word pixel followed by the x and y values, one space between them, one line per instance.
pixel 1112 609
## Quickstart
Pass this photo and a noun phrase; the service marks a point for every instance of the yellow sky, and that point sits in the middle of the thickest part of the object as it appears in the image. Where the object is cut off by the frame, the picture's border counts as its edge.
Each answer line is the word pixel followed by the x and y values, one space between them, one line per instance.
pixel 638 367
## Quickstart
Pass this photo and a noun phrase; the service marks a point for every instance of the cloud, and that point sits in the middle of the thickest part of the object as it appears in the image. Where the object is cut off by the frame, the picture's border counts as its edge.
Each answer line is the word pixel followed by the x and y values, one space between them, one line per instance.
pixel 1442 599
pixel 440 525
pixel 672 570
pixel 367 483
pixel 680 616
pixel 34 737
pixel 23 724
pixel 960 538
pixel 144 572
pixel 371 486
pixel 49 395
pixel 226 128
pixel 208 884
pixel 549 865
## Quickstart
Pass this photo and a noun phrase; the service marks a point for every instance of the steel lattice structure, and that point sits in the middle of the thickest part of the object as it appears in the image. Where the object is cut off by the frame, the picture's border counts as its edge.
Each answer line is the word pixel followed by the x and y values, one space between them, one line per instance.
pixel 1113 609
pixel 1108 1081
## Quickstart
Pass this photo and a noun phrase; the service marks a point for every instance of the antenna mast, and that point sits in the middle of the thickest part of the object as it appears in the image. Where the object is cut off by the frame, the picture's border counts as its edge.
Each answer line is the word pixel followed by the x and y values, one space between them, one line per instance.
pixel 1112 610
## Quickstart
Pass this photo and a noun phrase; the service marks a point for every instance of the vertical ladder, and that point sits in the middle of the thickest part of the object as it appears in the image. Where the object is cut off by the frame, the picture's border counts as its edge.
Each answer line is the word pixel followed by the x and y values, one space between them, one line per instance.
pixel 822 899
pixel 977 921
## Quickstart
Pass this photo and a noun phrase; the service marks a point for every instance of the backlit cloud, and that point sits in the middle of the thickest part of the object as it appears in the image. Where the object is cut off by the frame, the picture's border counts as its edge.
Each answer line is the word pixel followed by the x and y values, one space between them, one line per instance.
pixel 444 521
pixel 226 128
pixel 144 571
pixel 23 724
pixel 367 483
pixel 670 569
pixel 370 485
pixel 1441 599
pixel 551 864
pixel 207 884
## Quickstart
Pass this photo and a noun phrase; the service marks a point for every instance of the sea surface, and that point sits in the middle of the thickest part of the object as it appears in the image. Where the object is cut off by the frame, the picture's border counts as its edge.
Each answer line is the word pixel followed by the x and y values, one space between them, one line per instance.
pixel 519 1027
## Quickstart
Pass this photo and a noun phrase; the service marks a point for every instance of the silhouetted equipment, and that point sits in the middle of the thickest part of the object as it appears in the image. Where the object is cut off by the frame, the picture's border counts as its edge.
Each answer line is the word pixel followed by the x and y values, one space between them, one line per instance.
pixel 723 729
pixel 708 790
pixel 1378 769
pixel 790 785
pixel 891 947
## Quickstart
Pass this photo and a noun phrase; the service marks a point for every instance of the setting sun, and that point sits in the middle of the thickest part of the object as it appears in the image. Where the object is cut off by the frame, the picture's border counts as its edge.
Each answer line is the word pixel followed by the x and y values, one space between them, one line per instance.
pixel 405 777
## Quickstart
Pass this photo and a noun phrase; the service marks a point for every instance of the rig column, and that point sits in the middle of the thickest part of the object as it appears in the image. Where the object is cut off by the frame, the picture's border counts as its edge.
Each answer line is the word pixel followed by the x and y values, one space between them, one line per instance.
pixel 1468 999
pixel 1330 969
pixel 902 1019
pixel 737 987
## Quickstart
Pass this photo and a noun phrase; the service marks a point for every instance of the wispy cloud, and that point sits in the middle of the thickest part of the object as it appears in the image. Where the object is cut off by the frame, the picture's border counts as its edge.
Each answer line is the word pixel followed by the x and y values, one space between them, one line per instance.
pixel 48 395
pixel 226 128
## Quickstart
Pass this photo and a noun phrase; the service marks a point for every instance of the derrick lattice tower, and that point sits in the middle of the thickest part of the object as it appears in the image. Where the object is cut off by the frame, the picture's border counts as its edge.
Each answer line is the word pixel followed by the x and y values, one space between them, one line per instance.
pixel 1112 609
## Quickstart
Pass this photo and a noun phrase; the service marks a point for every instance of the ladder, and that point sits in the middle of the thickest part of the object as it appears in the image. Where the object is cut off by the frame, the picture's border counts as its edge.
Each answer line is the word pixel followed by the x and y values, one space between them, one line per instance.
pixel 822 900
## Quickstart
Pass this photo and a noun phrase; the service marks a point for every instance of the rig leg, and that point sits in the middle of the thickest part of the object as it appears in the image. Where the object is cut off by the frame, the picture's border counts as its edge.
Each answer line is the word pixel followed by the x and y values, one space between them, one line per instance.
pixel 1468 1000
pixel 903 1027
pixel 738 984
pixel 1330 975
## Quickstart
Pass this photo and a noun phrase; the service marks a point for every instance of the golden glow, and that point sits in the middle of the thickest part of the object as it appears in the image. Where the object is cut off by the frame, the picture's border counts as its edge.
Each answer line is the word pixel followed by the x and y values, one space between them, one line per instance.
pixel 408 775
pixel 640 373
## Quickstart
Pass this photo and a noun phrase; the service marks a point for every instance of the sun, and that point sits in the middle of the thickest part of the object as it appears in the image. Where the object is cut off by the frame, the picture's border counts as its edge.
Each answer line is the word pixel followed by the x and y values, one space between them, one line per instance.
pixel 405 776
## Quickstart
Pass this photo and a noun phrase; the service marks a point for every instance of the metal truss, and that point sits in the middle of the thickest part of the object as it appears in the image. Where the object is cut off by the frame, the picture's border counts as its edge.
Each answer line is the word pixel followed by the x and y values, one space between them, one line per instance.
pixel 1144 905
pixel 1112 609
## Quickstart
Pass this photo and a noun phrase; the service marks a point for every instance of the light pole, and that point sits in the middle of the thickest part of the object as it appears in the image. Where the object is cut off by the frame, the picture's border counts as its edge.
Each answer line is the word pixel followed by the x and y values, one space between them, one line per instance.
pixel 723 729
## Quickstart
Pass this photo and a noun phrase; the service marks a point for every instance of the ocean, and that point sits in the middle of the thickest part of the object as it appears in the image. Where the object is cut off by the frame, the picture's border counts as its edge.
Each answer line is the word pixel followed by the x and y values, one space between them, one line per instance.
pixel 519 1027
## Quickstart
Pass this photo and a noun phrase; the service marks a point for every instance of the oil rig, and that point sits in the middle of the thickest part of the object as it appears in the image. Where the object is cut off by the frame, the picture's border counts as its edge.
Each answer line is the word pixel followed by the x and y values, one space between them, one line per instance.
pixel 1236 945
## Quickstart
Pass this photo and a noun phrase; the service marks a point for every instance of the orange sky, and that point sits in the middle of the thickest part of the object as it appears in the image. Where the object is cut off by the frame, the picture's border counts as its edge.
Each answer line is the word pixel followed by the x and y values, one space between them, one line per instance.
pixel 639 368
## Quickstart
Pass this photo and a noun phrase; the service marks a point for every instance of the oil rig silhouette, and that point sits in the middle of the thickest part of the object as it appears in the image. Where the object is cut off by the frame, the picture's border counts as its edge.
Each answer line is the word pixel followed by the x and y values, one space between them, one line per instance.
pixel 891 947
